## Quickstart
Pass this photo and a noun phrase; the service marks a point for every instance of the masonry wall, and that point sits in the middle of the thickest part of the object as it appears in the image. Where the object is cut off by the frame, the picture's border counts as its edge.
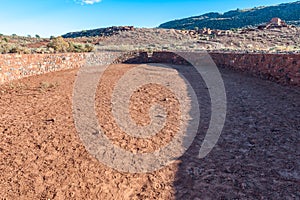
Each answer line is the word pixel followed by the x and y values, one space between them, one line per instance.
pixel 15 66
pixel 281 68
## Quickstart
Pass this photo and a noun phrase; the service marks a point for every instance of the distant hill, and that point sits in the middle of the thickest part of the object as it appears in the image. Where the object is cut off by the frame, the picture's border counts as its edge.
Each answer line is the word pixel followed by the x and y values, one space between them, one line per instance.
pixel 290 12
pixel 101 32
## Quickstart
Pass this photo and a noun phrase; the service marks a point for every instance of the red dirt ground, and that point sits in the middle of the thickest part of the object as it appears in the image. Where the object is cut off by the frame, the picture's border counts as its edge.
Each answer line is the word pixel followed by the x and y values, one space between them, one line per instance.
pixel 42 157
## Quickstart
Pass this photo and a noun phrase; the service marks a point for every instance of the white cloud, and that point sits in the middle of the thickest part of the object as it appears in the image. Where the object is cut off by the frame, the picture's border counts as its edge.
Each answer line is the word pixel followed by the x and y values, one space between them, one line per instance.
pixel 90 2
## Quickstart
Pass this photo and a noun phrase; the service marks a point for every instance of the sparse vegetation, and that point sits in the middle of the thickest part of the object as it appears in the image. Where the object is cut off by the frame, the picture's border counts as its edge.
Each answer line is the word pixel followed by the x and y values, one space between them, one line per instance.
pixel 170 39
pixel 27 45
pixel 61 46
pixel 249 40
pixel 6 47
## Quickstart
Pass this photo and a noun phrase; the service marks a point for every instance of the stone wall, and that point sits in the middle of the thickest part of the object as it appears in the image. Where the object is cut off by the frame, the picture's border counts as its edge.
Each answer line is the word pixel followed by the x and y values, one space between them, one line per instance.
pixel 281 68
pixel 15 66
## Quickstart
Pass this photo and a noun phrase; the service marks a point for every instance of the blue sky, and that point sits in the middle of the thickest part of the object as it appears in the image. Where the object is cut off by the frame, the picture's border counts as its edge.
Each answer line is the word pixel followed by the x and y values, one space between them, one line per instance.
pixel 56 17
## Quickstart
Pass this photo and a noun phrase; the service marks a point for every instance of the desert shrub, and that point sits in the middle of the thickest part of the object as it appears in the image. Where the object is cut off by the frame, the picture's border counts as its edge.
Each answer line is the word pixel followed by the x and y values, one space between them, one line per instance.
pixel 25 50
pixel 71 47
pixel 79 48
pixel 59 45
pixel 19 50
pixel 4 48
pixel 75 47
pixel 12 48
pixel 88 48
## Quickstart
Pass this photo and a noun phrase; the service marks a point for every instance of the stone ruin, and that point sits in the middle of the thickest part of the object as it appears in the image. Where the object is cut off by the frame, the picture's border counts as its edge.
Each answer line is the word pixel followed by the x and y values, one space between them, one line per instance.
pixel 206 31
pixel 274 23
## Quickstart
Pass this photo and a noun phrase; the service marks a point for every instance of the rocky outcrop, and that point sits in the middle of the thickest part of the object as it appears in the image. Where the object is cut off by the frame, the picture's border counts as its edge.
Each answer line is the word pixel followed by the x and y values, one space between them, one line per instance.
pixel 100 32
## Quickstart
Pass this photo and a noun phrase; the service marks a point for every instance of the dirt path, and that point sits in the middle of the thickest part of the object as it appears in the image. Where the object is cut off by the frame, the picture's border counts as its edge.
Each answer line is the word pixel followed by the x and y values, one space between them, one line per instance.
pixel 42 157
